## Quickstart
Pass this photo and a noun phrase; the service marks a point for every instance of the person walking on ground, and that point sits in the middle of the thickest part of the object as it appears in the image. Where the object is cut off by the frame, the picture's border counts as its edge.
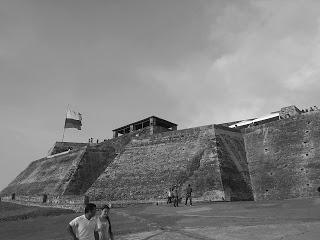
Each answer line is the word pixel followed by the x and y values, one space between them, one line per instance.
pixel 188 195
pixel 169 196
pixel 85 226
pixel 175 197
pixel 104 224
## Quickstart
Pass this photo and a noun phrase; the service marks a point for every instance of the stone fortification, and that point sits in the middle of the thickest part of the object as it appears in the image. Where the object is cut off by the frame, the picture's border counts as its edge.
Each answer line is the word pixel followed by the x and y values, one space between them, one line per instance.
pixel 275 158
pixel 149 165
pixel 283 157
pixel 69 169
pixel 233 164
pixel 67 172
pixel 93 162
pixel 60 147
pixel 46 175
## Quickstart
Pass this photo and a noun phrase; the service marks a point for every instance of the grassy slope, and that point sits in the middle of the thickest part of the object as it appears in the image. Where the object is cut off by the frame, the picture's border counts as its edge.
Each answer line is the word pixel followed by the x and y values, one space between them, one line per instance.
pixel 12 211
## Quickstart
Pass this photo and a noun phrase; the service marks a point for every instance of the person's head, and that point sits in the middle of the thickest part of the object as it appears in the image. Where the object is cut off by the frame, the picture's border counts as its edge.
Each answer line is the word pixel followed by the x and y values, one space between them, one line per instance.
pixel 90 210
pixel 189 185
pixel 105 211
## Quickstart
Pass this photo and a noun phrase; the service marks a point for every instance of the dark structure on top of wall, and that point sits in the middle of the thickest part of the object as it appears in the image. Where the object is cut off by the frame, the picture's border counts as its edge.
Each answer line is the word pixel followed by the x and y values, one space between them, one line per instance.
pixel 153 123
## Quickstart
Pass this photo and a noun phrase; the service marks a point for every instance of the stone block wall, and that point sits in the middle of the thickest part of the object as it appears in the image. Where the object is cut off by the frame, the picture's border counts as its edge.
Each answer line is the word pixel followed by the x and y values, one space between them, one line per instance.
pixel 233 164
pixel 151 164
pixel 46 175
pixel 93 162
pixel 284 157
pixel 117 143
pixel 70 173
pixel 59 147
pixel 290 111
pixel 275 160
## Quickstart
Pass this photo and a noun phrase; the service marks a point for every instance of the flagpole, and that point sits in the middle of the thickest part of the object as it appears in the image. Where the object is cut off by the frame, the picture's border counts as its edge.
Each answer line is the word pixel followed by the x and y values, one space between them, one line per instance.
pixel 64 129
pixel 63 133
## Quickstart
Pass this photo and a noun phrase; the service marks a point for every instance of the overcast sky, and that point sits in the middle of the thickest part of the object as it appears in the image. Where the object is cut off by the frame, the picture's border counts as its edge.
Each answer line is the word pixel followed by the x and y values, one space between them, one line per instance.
pixel 117 61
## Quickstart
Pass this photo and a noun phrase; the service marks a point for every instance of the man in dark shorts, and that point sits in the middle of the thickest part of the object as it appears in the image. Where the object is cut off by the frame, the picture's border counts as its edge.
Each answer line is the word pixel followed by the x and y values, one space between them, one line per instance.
pixel 175 197
pixel 188 195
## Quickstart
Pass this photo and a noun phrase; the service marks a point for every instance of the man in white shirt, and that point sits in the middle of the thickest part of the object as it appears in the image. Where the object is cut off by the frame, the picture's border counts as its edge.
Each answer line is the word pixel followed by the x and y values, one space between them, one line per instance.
pixel 84 227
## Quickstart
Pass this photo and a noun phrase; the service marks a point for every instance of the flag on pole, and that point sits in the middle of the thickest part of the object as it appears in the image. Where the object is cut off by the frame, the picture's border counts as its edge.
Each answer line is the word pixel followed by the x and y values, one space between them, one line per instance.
pixel 73 120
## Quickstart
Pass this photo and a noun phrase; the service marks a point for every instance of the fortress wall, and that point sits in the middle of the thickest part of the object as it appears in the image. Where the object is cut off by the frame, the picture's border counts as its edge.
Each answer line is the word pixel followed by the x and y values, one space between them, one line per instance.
pixel 118 143
pixel 233 163
pixel 67 174
pixel 65 146
pixel 93 162
pixel 284 157
pixel 46 175
pixel 149 166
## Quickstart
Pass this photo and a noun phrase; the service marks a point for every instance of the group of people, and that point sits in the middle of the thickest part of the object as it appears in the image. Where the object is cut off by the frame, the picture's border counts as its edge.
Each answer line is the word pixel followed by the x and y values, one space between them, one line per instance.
pixel 91 140
pixel 173 196
pixel 92 227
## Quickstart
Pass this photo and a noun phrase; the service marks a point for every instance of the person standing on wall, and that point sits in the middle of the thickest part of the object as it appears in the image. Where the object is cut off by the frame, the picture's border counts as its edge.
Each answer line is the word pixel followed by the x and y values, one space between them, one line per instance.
pixel 104 224
pixel 188 195
pixel 85 226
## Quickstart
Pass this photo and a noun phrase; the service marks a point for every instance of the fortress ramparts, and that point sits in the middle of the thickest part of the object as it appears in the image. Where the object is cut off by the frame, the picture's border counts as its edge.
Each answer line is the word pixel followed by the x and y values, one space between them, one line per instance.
pixel 272 157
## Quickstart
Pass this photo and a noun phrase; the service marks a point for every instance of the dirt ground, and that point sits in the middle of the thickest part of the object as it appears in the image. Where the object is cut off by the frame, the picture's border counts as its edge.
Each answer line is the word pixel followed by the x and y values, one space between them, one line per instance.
pixel 297 219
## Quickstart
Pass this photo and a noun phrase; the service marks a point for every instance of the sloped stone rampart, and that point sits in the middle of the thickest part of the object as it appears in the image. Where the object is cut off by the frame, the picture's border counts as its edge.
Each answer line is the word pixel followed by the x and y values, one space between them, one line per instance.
pixel 233 164
pixel 60 147
pixel 150 165
pixel 93 162
pixel 67 173
pixel 283 157
pixel 46 175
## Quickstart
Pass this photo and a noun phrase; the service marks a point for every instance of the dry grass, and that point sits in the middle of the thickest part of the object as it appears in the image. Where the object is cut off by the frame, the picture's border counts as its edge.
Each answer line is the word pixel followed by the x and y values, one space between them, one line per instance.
pixel 35 223
pixel 13 212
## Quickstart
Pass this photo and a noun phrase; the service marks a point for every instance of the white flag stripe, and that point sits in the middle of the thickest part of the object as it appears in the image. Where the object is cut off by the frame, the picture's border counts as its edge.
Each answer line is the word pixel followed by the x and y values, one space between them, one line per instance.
pixel 74 115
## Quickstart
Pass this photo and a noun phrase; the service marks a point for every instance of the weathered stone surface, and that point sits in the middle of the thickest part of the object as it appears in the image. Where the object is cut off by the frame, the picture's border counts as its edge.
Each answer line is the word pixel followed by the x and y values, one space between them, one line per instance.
pixel 70 173
pixel 233 163
pixel 274 160
pixel 60 147
pixel 67 173
pixel 46 175
pixel 149 165
pixel 290 111
pixel 92 164
pixel 283 157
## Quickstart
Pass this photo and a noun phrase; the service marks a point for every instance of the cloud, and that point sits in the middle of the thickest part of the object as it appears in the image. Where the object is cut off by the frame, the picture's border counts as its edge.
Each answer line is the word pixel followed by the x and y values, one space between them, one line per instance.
pixel 263 55
pixel 307 76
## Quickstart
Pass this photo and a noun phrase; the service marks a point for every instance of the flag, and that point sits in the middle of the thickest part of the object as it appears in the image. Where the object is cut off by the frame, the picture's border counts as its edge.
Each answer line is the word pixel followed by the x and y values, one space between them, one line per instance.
pixel 73 120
